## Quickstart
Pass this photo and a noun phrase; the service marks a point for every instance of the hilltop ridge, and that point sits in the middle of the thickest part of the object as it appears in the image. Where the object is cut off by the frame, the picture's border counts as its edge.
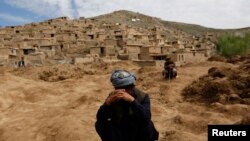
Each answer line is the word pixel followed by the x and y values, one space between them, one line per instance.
pixel 125 16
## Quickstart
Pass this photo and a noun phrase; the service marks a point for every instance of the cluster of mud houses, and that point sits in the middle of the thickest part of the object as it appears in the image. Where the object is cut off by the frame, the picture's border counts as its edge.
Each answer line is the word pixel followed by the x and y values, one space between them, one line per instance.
pixel 83 40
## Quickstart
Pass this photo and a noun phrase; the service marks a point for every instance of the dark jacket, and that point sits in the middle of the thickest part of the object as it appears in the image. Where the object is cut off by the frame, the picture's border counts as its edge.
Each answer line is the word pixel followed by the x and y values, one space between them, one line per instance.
pixel 128 121
pixel 168 63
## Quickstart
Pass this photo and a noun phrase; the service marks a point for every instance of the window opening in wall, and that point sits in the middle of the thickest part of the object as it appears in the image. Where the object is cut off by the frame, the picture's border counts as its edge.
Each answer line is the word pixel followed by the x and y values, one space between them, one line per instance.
pixel 198 46
pixel 102 50
pixel 91 36
pixel 28 51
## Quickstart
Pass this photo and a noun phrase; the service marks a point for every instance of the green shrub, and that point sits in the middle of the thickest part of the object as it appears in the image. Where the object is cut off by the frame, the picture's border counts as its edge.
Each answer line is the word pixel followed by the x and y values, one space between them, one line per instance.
pixel 230 45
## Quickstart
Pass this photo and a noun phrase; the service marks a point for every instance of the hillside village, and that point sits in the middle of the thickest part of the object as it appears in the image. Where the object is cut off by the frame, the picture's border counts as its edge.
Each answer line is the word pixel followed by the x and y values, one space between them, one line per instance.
pixel 59 99
pixel 85 40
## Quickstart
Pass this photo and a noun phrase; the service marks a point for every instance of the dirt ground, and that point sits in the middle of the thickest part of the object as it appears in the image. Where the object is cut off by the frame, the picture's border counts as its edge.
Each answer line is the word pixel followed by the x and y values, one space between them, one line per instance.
pixel 59 103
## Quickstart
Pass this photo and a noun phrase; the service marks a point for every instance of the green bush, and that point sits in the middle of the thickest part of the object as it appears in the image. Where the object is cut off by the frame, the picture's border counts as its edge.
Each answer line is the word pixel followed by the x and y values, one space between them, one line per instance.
pixel 230 45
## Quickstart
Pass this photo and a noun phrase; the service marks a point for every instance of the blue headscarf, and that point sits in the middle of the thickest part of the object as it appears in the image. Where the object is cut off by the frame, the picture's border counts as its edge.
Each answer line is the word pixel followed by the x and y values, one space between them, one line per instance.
pixel 121 78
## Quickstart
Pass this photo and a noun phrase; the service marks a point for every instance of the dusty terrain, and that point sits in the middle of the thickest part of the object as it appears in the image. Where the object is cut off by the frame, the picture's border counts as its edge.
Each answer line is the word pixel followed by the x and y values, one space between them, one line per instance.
pixel 59 103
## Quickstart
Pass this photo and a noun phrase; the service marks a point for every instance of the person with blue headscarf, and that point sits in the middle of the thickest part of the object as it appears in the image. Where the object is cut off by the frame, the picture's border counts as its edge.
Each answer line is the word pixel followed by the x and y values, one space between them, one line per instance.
pixel 125 114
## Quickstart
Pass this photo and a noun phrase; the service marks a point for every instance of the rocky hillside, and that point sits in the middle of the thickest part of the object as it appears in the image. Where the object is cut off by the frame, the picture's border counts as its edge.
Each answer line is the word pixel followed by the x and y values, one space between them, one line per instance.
pixel 124 16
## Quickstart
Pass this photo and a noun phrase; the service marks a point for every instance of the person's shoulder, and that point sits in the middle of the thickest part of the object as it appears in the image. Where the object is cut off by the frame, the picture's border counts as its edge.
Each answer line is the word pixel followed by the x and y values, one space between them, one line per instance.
pixel 139 91
pixel 141 95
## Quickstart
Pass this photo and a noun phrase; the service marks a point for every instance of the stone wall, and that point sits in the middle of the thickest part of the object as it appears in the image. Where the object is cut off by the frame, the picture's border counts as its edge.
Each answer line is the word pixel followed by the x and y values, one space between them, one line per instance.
pixel 155 50
pixel 83 60
pixel 133 49
pixel 95 50
pixel 143 63
pixel 195 57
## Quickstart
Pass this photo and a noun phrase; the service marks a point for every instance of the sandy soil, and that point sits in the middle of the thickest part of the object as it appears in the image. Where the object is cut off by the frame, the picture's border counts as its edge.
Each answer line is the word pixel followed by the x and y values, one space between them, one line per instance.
pixel 63 108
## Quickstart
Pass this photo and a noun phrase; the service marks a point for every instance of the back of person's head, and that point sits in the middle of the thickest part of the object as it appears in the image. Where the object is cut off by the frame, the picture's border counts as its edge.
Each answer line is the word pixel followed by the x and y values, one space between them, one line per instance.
pixel 122 78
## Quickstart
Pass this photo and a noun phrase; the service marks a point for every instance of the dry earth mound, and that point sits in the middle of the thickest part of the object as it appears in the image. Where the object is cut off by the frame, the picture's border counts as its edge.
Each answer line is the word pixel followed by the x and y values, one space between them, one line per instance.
pixel 222 84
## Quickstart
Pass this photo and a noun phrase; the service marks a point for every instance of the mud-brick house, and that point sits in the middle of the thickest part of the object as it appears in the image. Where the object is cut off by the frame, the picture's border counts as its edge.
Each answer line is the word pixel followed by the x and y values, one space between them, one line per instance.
pixel 4 56
pixel 195 56
pixel 133 34
pixel 9 30
pixel 144 39
pixel 86 59
pixel 119 35
pixel 110 42
pixel 103 51
pixel 2 32
pixel 210 36
pixel 94 50
pixel 160 39
pixel 157 35
pixel 78 23
pixel 154 50
pixel 27 51
pixel 48 33
pixel 101 35
pixel 31 55
pixel 1 39
pixel 179 57
pixel 109 51
pixel 25 48
pixel 177 44
pixel 132 50
pixel 17 39
pixel 151 53
pixel 168 49
pixel 63 37
pixel 38 41
pixel 14 51
pixel 187 41
pixel 7 38
pixel 91 35
pixel 158 56
pixel 14 56
pixel 50 50
pixel 91 43
pixel 144 53
pixel 35 59
pixel 197 39
pixel 58 20
pixel 210 49
pixel 189 47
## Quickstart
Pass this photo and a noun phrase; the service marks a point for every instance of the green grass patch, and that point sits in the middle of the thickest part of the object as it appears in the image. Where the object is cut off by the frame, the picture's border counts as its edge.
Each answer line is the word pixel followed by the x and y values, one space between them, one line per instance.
pixel 230 45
